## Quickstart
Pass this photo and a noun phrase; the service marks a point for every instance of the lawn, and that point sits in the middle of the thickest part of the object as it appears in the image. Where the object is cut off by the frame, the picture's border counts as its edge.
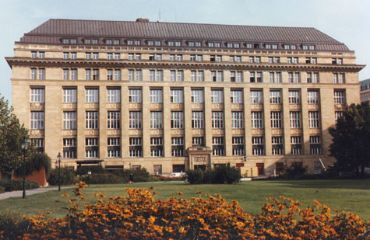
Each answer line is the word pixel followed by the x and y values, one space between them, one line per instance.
pixel 348 195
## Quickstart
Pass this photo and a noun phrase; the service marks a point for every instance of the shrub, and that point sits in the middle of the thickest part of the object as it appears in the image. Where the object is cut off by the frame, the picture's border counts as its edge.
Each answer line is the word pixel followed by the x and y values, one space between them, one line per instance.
pixel 13 225
pixel 295 171
pixel 218 175
pixel 138 174
pixel 14 185
pixel 67 176
pixel 2 189
pixel 101 178
pixel 140 216
pixel 82 170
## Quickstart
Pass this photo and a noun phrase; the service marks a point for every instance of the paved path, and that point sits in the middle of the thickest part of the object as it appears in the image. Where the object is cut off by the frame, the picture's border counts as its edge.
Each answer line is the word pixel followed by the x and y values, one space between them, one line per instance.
pixel 28 192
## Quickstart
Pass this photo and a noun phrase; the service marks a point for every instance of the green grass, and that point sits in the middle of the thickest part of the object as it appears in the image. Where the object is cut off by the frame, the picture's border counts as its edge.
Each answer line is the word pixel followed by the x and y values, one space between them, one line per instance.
pixel 348 195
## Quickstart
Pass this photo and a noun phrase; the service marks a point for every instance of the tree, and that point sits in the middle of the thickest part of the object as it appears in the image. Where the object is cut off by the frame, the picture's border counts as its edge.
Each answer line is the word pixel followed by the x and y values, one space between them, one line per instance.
pixel 12 134
pixel 351 139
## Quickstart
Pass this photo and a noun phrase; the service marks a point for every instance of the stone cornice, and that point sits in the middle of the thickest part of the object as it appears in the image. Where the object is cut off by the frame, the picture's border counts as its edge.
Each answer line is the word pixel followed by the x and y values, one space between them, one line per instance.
pixel 16 61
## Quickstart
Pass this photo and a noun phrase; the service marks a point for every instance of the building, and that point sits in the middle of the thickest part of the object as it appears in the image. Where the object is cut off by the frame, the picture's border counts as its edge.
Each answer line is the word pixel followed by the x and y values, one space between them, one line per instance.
pixel 174 96
pixel 365 90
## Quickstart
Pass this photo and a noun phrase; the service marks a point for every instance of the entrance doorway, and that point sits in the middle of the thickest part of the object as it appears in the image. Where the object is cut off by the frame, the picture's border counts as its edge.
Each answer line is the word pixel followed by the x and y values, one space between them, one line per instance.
pixel 201 167
pixel 260 168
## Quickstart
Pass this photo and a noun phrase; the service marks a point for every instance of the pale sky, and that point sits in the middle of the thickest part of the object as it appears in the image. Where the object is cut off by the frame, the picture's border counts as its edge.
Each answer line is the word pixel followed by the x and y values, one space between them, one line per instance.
pixel 348 21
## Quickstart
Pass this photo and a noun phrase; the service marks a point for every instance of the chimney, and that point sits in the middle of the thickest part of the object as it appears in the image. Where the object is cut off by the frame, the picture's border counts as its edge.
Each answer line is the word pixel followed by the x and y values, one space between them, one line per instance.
pixel 142 20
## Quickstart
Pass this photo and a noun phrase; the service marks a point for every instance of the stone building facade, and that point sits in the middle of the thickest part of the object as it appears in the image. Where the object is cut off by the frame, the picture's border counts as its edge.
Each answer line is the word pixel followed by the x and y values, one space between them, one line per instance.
pixel 365 91
pixel 176 96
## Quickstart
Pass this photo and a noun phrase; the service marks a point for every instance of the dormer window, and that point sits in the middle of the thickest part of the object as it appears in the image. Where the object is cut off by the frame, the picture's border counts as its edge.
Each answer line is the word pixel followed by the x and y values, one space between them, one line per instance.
pixel 69 41
pixel 194 44
pixel 174 43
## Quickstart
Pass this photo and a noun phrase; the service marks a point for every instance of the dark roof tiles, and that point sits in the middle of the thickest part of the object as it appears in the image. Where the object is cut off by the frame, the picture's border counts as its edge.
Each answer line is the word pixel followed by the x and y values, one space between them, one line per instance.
pixel 186 31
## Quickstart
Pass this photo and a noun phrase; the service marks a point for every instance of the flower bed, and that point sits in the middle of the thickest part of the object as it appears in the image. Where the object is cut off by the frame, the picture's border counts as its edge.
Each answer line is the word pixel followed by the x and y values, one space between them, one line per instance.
pixel 140 216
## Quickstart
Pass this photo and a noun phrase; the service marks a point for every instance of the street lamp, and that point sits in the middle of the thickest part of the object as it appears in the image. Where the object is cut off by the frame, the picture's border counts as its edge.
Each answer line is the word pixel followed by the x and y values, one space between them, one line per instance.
pixel 24 147
pixel 58 162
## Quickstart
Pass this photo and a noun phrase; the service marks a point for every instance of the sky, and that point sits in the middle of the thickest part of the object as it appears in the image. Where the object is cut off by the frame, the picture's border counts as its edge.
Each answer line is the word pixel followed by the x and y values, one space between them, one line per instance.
pixel 348 21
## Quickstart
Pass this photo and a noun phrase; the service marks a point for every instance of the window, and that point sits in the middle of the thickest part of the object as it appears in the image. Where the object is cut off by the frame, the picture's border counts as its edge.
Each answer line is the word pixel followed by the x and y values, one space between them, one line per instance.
pixel 194 44
pixel 177 119
pixel 295 119
pixel 177 75
pixel 215 58
pixel 92 74
pixel 214 44
pixel 156 96
pixel 69 120
pixel 311 60
pixel 237 96
pixel 109 74
pixel 37 54
pixel 293 60
pixel 37 120
pixel 156 75
pixel 92 95
pixel 113 120
pixel 275 96
pixel 258 147
pixel 275 77
pixel 156 146
pixel 314 119
pixel 338 114
pixel 274 59
pixel 339 78
pixel 69 95
pixel 338 61
pixel 294 77
pixel 196 57
pixel 116 74
pixel 313 96
pixel 197 120
pixel 135 147
pixel 155 57
pixel 177 148
pixel 154 43
pixel 238 146
pixel 37 95
pixel 256 96
pixel 315 145
pixel 134 95
pixel 110 56
pixel 296 145
pixel 308 47
pixel 197 75
pixel 236 76
pixel 218 148
pixel 312 77
pixel 197 96
pixel 257 120
pixel 135 119
pixel 236 58
pixel 92 118
pixel 91 147
pixel 255 59
pixel 38 144
pixel 198 141
pixel 156 120
pixel 38 73
pixel 217 120
pixel 134 56
pixel 276 119
pixel 277 145
pixel 294 97
pixel 217 76
pixel 113 95
pixel 135 75
pixel 176 57
pixel 177 96
pixel 174 43
pixel 339 96
pixel 69 148
pixel 217 96
pixel 237 119
pixel 255 77
pixel 114 147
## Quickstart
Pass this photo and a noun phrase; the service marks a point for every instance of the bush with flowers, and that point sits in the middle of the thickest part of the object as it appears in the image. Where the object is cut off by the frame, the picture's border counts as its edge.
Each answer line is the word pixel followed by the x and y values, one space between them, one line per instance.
pixel 140 216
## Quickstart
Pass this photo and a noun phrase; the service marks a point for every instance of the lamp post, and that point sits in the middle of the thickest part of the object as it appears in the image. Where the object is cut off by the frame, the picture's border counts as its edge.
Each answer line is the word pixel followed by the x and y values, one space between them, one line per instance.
pixel 24 148
pixel 58 162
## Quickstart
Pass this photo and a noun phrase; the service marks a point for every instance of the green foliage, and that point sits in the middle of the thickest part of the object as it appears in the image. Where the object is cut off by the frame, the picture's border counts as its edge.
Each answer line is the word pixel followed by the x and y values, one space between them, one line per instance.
pixel 67 176
pixel 12 134
pixel 2 189
pixel 138 174
pixel 295 171
pixel 35 161
pixel 82 170
pixel 101 178
pixel 218 175
pixel 14 185
pixel 351 140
